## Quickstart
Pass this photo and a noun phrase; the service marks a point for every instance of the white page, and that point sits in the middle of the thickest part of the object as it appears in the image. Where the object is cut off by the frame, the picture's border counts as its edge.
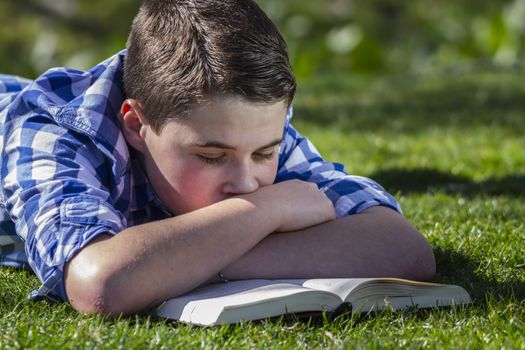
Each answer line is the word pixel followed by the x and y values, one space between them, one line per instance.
pixel 206 311
pixel 339 286
pixel 214 298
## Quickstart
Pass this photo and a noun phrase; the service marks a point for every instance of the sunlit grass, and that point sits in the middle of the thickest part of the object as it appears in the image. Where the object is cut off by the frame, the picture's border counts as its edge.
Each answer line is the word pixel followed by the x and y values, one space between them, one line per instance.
pixel 450 147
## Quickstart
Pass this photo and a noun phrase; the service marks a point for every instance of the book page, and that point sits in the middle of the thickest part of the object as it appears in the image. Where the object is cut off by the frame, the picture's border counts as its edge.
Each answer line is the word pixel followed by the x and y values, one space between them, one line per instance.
pixel 255 299
pixel 266 301
pixel 342 287
pixel 363 293
pixel 205 304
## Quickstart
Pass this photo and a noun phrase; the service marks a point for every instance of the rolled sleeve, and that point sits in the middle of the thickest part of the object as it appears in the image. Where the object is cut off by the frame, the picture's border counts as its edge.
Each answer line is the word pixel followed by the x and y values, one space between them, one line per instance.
pixel 54 184
pixel 82 218
pixel 350 194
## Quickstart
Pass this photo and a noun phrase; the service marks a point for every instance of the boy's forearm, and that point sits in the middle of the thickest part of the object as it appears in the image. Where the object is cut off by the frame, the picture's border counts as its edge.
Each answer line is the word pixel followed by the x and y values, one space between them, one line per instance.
pixel 148 263
pixel 376 243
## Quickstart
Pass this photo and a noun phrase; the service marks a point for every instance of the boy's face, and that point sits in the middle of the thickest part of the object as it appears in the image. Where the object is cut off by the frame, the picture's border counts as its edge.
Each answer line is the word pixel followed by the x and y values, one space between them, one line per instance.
pixel 227 148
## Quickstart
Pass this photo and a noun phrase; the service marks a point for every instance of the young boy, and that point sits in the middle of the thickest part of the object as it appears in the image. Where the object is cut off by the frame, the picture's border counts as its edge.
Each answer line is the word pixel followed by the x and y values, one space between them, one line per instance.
pixel 174 164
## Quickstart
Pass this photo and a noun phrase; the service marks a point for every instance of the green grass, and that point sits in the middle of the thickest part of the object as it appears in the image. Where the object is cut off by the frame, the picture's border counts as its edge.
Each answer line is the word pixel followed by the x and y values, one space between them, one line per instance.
pixel 449 145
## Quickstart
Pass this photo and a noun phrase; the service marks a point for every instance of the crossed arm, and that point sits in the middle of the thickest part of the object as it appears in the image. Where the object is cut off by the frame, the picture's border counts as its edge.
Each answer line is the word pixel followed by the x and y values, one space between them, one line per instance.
pixel 145 264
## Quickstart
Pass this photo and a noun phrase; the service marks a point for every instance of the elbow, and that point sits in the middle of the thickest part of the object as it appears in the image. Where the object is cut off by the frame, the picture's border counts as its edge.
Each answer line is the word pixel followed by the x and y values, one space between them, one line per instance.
pixel 90 290
pixel 94 297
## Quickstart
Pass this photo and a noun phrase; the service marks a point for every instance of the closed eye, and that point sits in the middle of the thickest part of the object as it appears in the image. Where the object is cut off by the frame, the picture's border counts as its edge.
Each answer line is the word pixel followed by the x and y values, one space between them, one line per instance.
pixel 264 156
pixel 212 159
pixel 220 159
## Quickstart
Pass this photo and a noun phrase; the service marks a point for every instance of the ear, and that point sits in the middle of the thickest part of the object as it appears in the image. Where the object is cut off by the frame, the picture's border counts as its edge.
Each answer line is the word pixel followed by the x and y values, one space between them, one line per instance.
pixel 134 124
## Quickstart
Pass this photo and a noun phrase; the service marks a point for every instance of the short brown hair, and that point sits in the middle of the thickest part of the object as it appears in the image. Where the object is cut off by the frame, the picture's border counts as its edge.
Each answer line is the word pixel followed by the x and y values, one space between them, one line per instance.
pixel 181 53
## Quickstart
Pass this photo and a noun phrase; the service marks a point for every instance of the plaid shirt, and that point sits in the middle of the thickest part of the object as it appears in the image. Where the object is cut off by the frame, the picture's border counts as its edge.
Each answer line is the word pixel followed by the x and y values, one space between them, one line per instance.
pixel 67 174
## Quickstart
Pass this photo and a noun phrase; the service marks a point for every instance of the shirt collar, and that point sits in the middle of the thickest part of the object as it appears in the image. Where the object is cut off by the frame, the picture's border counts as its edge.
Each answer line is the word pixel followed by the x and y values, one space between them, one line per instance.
pixel 142 193
pixel 92 105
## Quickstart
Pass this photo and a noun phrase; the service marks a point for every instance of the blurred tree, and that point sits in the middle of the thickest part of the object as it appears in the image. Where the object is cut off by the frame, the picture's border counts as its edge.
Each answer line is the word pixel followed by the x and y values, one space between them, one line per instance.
pixel 392 36
pixel 39 34
pixel 366 36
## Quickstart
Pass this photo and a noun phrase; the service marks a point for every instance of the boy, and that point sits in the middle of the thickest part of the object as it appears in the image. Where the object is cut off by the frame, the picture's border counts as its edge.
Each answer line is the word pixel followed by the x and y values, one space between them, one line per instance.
pixel 174 164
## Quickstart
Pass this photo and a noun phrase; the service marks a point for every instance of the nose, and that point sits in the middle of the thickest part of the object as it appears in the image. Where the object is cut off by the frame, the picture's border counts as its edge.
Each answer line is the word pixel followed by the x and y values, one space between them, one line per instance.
pixel 240 180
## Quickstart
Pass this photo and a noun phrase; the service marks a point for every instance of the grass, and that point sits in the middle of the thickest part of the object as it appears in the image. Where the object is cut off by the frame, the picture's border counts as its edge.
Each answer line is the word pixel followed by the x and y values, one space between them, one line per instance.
pixel 449 145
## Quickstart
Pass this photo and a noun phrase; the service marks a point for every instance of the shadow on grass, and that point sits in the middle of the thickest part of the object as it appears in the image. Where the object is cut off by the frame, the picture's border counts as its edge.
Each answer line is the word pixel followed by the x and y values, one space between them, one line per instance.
pixel 430 180
pixel 454 268
pixel 412 105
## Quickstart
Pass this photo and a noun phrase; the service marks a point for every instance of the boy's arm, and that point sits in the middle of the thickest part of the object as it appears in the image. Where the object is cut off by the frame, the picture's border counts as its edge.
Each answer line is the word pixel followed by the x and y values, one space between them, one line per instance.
pixel 145 264
pixel 377 242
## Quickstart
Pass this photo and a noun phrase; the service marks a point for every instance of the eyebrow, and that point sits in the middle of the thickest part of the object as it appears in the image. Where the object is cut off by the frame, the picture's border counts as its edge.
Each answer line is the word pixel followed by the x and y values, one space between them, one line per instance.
pixel 217 144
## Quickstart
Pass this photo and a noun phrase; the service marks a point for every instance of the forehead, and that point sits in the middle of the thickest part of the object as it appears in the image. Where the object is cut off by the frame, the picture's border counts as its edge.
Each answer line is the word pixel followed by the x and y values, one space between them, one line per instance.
pixel 232 121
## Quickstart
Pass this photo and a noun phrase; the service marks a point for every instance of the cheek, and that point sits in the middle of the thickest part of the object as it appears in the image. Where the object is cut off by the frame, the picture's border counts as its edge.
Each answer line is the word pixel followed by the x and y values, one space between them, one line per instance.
pixel 195 188
pixel 194 178
pixel 268 173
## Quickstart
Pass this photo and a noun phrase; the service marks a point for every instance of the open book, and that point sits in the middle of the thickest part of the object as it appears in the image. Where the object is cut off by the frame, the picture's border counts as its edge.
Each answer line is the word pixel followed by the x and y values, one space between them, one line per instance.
pixel 235 301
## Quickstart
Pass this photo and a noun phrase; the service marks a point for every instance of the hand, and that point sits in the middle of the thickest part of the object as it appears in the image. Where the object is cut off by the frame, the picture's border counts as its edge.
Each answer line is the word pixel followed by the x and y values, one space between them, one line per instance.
pixel 297 204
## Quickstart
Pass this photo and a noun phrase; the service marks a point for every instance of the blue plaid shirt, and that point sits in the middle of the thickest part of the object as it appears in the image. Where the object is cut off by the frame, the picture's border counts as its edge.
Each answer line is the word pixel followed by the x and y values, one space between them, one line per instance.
pixel 67 174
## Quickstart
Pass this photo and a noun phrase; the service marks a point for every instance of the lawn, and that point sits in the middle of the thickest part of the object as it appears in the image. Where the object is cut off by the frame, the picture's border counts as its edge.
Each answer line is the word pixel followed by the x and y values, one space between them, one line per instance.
pixel 450 145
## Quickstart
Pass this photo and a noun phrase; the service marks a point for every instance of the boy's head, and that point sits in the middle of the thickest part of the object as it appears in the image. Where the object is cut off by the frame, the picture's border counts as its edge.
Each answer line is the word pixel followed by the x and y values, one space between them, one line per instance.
pixel 208 85
pixel 183 53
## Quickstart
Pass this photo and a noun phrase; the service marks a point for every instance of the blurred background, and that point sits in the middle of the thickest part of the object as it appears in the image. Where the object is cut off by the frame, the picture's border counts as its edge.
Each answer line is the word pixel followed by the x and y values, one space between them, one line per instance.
pixel 365 37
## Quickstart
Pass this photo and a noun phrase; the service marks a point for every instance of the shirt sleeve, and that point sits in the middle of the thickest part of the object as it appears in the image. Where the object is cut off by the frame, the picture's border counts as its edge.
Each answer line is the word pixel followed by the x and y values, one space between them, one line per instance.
pixel 350 194
pixel 53 189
